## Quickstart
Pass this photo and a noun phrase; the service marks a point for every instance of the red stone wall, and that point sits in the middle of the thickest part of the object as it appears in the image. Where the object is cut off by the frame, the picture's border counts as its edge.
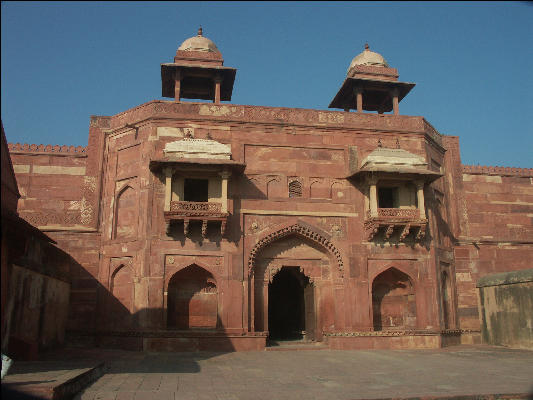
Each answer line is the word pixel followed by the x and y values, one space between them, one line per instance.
pixel 51 186
pixel 104 206
pixel 497 234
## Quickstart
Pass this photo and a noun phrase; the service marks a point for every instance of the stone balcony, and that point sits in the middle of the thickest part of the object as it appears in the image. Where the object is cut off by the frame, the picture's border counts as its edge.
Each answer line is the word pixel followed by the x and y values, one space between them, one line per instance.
pixel 402 220
pixel 205 212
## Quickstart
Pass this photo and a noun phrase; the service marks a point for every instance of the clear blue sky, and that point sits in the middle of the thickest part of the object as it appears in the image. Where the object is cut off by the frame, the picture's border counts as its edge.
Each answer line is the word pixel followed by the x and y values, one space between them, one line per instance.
pixel 472 62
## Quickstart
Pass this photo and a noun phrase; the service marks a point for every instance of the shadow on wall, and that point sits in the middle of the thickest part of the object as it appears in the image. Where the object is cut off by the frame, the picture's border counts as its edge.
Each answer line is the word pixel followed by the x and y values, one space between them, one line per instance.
pixel 37 299
pixel 189 323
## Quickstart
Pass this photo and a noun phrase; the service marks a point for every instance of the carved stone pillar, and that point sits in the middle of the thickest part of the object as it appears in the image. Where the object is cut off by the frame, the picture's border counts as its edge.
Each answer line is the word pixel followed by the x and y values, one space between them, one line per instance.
pixel 225 176
pixel 218 81
pixel 359 99
pixel 395 107
pixel 168 186
pixel 265 305
pixel 420 198
pixel 177 188
pixel 177 86
pixel 373 196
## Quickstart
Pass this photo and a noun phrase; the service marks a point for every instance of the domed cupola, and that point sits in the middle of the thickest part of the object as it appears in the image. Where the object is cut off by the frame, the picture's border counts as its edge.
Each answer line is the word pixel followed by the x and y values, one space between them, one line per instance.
pixel 199 43
pixel 371 85
pixel 198 72
pixel 368 57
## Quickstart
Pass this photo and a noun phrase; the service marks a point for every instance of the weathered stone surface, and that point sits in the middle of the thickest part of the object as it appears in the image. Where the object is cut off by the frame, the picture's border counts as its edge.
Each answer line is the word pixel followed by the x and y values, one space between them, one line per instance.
pixel 506 303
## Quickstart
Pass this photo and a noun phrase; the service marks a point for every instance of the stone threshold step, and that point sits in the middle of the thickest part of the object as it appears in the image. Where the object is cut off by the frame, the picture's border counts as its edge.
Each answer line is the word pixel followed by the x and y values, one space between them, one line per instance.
pixel 296 348
pixel 293 345
pixel 49 380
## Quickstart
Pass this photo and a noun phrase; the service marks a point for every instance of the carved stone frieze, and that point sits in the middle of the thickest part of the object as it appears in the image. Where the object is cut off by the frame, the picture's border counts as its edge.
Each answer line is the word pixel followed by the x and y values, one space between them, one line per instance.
pixel 299 230
pixel 41 218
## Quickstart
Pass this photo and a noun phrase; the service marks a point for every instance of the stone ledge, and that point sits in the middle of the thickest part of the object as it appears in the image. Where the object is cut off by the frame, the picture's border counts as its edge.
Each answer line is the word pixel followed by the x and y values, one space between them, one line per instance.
pixel 495 170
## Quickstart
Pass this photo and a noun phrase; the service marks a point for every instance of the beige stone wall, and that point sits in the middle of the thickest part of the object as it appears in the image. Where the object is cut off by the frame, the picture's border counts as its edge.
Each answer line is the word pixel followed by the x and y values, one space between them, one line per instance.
pixel 506 302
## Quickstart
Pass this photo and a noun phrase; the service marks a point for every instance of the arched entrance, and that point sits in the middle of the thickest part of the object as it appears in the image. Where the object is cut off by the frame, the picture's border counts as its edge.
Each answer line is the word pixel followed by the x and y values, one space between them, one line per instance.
pixel 291 311
pixel 306 263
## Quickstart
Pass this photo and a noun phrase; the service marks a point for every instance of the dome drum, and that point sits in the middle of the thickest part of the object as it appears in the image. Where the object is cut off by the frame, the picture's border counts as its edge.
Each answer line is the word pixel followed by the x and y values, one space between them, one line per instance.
pixel 198 57
pixel 371 72
pixel 376 95
pixel 197 81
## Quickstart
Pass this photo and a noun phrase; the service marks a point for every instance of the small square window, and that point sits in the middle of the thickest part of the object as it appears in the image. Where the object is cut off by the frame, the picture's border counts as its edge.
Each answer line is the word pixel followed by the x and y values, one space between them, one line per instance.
pixel 196 190
pixel 387 197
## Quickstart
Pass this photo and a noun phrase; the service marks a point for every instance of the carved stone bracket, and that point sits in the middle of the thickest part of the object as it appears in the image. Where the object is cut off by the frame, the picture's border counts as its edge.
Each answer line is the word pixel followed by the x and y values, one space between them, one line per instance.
pixel 187 221
pixel 388 224
pixel 405 232
pixel 389 231
pixel 223 228
pixel 371 229
pixel 421 232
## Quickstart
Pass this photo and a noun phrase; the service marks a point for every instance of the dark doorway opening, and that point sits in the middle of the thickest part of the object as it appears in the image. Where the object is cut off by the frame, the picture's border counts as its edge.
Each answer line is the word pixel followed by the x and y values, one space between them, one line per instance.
pixel 290 306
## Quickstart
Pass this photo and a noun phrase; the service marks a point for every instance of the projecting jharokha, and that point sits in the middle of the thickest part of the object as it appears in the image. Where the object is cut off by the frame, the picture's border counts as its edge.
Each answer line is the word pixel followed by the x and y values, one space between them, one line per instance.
pixel 213 226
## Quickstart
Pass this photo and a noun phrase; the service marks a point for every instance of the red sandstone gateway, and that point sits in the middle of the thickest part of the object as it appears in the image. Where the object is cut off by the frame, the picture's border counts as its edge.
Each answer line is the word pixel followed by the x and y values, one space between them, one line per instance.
pixel 214 226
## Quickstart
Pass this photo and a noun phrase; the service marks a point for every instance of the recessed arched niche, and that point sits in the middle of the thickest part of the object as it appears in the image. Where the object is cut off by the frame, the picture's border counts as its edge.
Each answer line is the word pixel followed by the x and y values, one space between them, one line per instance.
pixel 126 214
pixel 393 301
pixel 121 287
pixel 192 301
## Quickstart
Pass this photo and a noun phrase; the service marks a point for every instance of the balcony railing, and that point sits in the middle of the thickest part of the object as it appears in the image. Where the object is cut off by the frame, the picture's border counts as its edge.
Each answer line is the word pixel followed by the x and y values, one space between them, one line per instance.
pixel 399 212
pixel 195 207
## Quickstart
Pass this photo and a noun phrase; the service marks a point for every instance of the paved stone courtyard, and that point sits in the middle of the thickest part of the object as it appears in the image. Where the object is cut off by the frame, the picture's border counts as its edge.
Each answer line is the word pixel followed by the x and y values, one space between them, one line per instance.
pixel 324 374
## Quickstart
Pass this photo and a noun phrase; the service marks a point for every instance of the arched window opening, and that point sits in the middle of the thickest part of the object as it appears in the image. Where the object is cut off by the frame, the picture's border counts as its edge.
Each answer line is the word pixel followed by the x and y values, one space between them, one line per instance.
pixel 393 301
pixel 192 301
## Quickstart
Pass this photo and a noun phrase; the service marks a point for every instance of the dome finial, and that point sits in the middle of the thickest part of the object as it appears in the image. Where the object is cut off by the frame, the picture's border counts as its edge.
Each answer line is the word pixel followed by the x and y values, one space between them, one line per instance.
pixel 200 31
pixel 367 47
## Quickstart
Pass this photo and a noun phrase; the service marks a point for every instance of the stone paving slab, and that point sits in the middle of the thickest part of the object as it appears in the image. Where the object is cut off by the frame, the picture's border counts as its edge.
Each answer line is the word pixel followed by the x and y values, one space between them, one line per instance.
pixel 473 372
pixel 455 373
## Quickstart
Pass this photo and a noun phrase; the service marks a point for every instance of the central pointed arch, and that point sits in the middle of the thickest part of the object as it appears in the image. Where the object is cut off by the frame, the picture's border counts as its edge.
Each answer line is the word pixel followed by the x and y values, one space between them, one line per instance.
pixel 299 230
